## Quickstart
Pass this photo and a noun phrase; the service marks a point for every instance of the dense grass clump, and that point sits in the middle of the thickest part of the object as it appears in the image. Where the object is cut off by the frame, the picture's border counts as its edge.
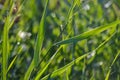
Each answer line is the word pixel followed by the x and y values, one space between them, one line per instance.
pixel 59 40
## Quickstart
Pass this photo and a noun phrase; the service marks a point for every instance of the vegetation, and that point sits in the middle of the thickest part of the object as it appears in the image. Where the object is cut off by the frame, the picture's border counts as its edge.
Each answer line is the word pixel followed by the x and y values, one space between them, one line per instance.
pixel 59 39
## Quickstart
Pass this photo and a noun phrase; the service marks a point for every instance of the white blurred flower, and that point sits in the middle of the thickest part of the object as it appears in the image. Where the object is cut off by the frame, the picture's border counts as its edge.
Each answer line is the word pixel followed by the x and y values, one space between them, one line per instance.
pixel 98 64
pixel 107 5
pixel 24 35
pixel 91 54
pixel 86 7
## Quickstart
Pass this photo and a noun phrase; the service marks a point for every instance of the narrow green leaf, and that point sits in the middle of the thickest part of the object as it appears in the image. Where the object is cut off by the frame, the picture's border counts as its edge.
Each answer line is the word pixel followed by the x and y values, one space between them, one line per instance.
pixel 51 59
pixel 30 69
pixel 117 55
pixel 5 53
pixel 46 66
pixel 88 34
pixel 71 9
pixel 38 45
pixel 8 24
pixel 14 59
pixel 103 43
pixel 40 37
pixel 108 74
pixel 61 70
pixel 11 64
pixel 66 76
pixel 6 45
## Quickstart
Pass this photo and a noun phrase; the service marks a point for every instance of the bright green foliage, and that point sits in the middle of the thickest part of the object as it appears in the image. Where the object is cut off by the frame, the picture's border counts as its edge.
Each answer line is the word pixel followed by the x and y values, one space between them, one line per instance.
pixel 88 33
pixel 59 39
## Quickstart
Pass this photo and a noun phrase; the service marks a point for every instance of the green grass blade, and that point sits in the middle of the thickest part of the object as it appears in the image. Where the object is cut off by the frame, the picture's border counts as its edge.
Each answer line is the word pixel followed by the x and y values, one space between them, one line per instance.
pixel 66 75
pixel 69 16
pixel 108 74
pixel 103 43
pixel 11 64
pixel 30 69
pixel 6 45
pixel 14 59
pixel 61 70
pixel 5 53
pixel 7 25
pixel 88 34
pixel 71 9
pixel 40 37
pixel 46 66
pixel 38 46
pixel 117 55
pixel 51 59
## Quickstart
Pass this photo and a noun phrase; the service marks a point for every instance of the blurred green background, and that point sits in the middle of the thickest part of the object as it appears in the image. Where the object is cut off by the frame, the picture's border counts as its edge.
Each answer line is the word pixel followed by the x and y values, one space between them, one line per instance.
pixel 87 15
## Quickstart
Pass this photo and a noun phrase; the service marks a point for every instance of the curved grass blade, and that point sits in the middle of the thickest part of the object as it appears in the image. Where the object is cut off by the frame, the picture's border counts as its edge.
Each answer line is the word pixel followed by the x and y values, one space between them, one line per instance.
pixel 63 69
pixel 14 59
pixel 40 37
pixel 88 34
pixel 8 24
pixel 38 45
pixel 51 59
pixel 46 66
pixel 6 45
